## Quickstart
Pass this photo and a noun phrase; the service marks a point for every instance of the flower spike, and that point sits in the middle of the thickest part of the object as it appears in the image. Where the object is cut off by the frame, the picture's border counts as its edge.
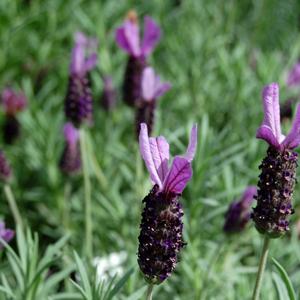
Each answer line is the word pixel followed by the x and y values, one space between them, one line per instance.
pixel 160 239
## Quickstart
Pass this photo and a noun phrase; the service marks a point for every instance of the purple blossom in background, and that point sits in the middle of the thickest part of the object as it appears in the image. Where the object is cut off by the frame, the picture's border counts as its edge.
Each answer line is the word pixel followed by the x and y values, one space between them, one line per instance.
pixel 5 234
pixel 109 95
pixel 151 89
pixel 160 239
pixel 128 39
pixel 70 161
pixel 238 213
pixel 293 78
pixel 5 170
pixel 78 101
pixel 278 169
pixel 12 103
pixel 286 111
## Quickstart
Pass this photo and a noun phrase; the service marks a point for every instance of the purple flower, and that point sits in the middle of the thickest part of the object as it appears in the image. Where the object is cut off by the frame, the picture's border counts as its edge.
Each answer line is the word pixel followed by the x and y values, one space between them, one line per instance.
pixel 238 213
pixel 278 169
pixel 71 158
pixel 5 234
pixel 78 101
pixel 293 78
pixel 151 89
pixel 5 170
pixel 128 39
pixel 13 102
pixel 108 98
pixel 160 239
pixel 128 36
pixel 270 130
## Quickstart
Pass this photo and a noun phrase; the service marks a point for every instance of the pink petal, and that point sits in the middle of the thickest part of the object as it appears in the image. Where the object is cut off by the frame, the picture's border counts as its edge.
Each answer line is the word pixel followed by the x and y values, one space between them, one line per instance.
pixel 77 60
pixel 160 155
pixel 191 149
pixel 294 75
pixel 265 132
pixel 146 153
pixel 248 195
pixel 161 89
pixel 121 40
pixel 151 35
pixel 178 176
pixel 293 138
pixel 148 84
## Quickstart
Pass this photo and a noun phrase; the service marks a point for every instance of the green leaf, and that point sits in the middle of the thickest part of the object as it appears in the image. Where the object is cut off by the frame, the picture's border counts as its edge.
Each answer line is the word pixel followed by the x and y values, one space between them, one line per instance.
pixel 285 278
pixel 281 290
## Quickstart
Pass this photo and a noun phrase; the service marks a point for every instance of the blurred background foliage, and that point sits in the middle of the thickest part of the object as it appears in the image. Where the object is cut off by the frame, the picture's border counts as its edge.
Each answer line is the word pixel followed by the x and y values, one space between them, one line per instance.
pixel 218 55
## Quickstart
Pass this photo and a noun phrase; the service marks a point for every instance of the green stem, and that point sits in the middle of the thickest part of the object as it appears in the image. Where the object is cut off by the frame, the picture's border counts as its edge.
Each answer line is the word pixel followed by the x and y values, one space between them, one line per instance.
pixel 261 268
pixel 13 205
pixel 87 198
pixel 66 206
pixel 149 292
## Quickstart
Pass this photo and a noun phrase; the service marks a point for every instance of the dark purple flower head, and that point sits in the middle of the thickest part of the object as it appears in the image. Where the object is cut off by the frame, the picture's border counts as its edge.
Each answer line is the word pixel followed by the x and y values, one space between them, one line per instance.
pixel 278 169
pixel 109 95
pixel 13 102
pixel 151 89
pixel 5 170
pixel 293 78
pixel 128 36
pixel 160 239
pixel 78 101
pixel 238 213
pixel 5 234
pixel 270 130
pixel 71 159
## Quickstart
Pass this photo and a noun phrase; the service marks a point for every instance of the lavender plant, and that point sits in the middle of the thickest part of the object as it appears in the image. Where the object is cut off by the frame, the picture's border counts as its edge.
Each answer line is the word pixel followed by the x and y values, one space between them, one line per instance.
pixel 6 234
pixel 109 94
pixel 151 89
pixel 278 175
pixel 12 103
pixel 238 213
pixel 78 101
pixel 160 239
pixel 128 39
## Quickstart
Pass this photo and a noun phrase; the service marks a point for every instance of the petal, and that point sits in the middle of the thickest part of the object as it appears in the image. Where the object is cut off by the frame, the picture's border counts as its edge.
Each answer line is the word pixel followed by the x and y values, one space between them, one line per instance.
pixel 148 84
pixel 145 150
pixel 160 154
pixel 71 133
pixel 264 132
pixel 7 235
pixel 178 176
pixel 90 62
pixel 127 37
pixel 191 149
pixel 293 138
pixel 160 88
pixel 294 75
pixel 152 35
pixel 77 60
pixel 270 97
pixel 248 195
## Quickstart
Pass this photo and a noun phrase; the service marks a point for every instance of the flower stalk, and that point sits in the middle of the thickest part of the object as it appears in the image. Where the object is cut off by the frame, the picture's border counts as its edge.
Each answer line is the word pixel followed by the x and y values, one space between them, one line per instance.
pixel 13 205
pixel 261 268
pixel 87 197
pixel 149 291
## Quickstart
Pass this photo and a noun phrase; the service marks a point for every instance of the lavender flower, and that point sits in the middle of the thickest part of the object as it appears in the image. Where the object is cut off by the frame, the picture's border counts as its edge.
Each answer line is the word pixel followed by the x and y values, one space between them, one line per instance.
pixel 78 101
pixel 12 103
pixel 278 169
pixel 71 159
pixel 5 170
pixel 127 38
pixel 152 88
pixel 5 234
pixel 108 98
pixel 160 239
pixel 238 213
pixel 293 78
